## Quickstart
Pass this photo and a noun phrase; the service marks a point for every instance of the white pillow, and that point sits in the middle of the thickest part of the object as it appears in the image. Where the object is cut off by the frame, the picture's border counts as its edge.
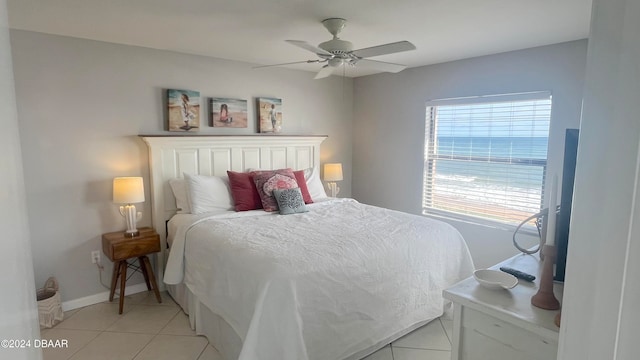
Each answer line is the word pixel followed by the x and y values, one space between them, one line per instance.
pixel 208 193
pixel 314 184
pixel 179 188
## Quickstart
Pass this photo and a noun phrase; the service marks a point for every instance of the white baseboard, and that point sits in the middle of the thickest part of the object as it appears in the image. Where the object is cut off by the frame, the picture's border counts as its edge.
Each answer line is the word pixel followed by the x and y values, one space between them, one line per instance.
pixel 101 297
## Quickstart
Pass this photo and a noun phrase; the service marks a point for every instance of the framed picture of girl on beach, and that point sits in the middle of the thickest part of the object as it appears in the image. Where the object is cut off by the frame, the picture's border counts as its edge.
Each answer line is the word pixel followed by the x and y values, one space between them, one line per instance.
pixel 228 112
pixel 184 110
pixel 269 115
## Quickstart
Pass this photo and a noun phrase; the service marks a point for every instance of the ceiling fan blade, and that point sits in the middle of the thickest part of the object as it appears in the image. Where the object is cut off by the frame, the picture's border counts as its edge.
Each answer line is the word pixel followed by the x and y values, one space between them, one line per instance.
pixel 289 63
pixel 326 71
pixel 385 49
pixel 305 45
pixel 380 65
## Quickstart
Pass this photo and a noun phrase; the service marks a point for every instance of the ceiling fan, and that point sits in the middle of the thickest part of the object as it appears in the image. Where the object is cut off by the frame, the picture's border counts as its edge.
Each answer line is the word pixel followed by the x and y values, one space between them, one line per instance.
pixel 337 52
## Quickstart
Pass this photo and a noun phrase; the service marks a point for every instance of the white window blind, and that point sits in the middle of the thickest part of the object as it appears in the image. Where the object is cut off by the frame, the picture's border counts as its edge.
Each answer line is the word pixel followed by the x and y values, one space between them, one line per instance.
pixel 486 157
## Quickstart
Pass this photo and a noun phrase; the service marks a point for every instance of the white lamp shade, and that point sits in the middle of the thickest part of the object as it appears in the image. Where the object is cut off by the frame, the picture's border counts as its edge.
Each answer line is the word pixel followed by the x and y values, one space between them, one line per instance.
pixel 333 172
pixel 128 190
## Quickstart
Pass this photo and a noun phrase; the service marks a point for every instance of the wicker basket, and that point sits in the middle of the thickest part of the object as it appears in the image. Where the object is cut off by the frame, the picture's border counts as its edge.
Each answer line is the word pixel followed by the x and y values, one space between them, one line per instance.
pixel 49 306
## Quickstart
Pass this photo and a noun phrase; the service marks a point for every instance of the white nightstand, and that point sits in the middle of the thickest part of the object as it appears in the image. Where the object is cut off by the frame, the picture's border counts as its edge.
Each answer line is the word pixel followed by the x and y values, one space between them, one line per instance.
pixel 502 324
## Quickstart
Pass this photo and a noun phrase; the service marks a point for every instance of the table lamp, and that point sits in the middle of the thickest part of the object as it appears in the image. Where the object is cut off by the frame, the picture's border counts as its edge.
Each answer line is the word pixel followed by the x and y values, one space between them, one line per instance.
pixel 129 190
pixel 545 298
pixel 333 173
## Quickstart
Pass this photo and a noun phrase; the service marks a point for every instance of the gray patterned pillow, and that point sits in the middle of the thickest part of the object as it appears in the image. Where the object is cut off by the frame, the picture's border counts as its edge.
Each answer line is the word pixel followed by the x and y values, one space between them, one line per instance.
pixel 290 201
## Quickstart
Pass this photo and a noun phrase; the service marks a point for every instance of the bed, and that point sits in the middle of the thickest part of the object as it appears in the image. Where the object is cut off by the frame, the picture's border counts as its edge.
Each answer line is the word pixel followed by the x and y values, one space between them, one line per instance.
pixel 336 282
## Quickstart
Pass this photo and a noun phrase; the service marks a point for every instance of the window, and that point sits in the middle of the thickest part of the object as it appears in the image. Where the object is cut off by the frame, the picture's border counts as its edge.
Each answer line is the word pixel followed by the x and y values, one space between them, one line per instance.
pixel 486 157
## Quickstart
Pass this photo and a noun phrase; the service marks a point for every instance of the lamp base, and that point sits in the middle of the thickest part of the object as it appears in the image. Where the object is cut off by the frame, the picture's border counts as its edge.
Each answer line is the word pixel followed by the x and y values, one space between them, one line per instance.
pixel 131 233
pixel 333 187
pixel 545 298
pixel 131 217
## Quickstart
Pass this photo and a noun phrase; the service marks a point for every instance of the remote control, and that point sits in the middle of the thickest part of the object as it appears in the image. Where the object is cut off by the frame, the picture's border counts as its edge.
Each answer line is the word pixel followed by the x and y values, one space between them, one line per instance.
pixel 519 274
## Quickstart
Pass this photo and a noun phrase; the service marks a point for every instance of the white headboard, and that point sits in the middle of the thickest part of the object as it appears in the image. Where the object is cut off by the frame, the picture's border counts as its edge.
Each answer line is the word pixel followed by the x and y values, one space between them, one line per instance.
pixel 171 156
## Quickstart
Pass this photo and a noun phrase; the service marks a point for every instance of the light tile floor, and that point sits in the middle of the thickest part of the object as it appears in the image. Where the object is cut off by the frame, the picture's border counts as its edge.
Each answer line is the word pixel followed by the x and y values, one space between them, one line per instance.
pixel 148 330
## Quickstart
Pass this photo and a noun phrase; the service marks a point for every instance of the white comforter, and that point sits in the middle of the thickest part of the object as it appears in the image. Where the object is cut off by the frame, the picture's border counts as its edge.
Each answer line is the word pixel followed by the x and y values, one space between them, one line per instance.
pixel 320 285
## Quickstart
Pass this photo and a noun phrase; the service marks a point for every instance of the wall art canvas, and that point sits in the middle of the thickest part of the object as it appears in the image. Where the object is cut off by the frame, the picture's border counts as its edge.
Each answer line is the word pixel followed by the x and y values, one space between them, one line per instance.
pixel 269 115
pixel 184 110
pixel 228 112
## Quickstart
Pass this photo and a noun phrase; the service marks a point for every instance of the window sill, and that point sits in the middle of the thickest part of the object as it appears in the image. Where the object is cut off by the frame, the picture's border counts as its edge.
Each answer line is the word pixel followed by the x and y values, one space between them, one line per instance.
pixel 443 215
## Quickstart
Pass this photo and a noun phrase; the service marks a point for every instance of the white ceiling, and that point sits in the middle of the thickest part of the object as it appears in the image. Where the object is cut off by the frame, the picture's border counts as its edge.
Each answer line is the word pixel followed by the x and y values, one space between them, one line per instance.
pixel 254 30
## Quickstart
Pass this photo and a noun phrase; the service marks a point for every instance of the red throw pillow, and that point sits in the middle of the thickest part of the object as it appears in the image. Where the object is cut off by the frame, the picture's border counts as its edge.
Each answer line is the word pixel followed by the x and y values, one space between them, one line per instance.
pixel 268 180
pixel 302 184
pixel 244 192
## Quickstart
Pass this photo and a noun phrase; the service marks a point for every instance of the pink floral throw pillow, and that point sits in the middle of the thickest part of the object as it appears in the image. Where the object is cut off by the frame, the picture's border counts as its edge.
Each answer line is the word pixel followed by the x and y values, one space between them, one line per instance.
pixel 269 180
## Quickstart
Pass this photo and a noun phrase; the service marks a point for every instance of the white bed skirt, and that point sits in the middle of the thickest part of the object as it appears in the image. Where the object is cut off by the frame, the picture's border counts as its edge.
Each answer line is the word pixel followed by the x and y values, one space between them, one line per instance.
pixel 206 323
pixel 222 336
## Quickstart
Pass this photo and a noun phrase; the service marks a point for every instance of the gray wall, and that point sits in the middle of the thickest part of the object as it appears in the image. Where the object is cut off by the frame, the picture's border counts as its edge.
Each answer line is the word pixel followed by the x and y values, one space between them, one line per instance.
pixel 18 309
pixel 389 117
pixel 81 105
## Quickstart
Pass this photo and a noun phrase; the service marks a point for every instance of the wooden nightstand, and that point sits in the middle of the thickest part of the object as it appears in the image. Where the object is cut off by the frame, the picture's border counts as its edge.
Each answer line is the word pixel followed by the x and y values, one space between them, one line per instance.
pixel 119 248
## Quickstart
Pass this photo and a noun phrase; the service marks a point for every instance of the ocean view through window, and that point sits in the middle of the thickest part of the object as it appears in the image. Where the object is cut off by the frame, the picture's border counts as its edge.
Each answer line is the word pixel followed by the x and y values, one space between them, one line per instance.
pixel 486 157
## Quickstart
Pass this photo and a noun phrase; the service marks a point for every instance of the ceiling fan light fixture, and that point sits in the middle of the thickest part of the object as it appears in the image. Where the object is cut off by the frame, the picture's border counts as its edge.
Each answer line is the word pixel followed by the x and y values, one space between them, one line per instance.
pixel 335 62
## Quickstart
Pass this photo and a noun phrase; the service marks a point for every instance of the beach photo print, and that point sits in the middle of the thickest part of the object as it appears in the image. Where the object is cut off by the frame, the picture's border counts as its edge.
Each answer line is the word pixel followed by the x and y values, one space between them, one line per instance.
pixel 269 115
pixel 231 113
pixel 184 110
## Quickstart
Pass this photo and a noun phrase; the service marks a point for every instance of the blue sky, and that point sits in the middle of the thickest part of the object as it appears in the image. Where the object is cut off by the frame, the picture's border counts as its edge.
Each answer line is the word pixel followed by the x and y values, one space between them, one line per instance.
pixel 521 119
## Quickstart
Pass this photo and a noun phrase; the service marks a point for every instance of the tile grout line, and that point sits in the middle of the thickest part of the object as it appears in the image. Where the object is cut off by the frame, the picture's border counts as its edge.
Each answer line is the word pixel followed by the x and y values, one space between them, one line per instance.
pixel 120 317
pixel 147 333
pixel 445 332
pixel 85 345
pixel 144 347
pixel 421 349
pixel 203 350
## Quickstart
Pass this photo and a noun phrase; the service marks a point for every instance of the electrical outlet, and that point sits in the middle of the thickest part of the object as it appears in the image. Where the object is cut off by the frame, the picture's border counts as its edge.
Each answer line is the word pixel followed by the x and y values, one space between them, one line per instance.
pixel 95 257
